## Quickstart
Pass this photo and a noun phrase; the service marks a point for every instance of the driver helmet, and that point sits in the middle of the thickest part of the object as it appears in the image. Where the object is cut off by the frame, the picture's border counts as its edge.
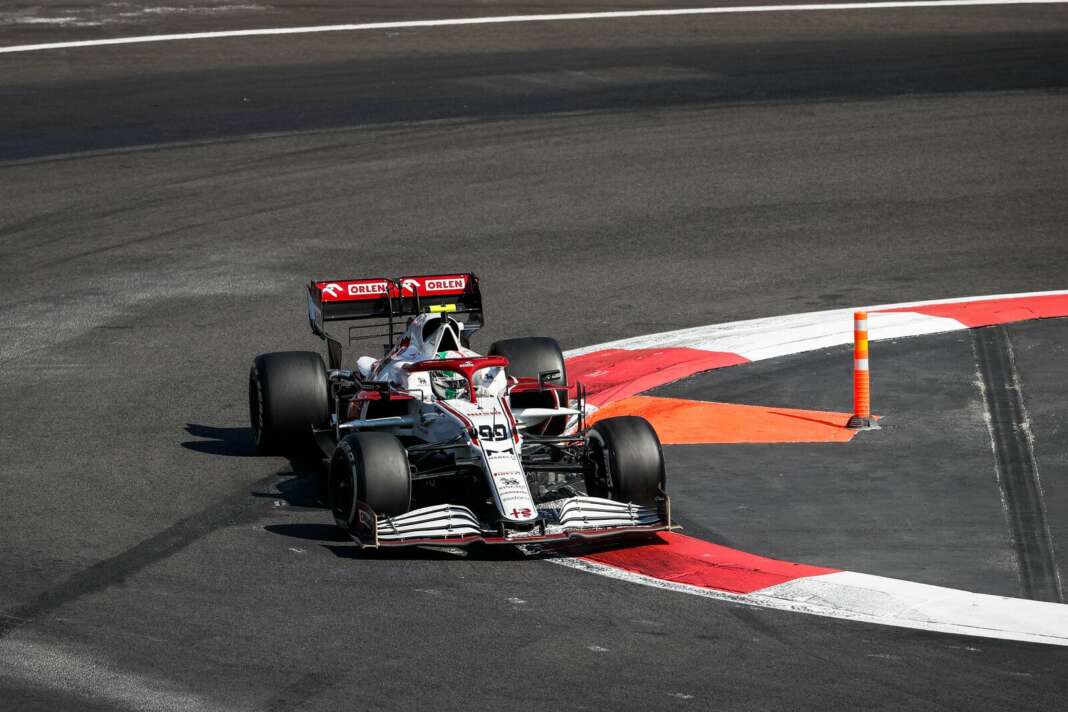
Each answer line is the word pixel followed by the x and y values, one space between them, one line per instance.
pixel 448 384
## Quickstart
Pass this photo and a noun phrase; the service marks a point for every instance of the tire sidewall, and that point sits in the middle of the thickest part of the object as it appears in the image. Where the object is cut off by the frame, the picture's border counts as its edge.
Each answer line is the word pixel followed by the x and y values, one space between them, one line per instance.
pixel 387 491
pixel 641 479
pixel 288 396
pixel 255 407
pixel 603 485
pixel 528 357
pixel 343 479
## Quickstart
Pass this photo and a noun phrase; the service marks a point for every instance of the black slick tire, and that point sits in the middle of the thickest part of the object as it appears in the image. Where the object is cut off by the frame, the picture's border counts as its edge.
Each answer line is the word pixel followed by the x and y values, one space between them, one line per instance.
pixel 371 468
pixel 626 461
pixel 288 395
pixel 529 357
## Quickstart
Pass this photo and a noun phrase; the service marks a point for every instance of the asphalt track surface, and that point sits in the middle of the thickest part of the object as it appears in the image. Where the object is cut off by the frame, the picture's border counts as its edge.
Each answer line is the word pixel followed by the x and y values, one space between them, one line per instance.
pixel 161 205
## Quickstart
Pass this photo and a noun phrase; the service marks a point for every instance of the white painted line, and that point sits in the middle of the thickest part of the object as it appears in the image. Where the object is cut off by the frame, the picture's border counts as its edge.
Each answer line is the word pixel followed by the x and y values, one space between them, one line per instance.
pixel 908 604
pixel 884 601
pixel 769 337
pixel 511 19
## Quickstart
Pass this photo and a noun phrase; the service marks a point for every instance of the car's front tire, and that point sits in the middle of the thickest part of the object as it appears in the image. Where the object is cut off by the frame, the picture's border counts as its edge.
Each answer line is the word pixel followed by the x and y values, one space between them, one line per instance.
pixel 626 461
pixel 288 395
pixel 372 468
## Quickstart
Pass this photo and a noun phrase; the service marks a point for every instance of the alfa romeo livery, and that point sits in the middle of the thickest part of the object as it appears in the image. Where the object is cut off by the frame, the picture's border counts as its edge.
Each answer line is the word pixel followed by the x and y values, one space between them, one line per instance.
pixel 436 444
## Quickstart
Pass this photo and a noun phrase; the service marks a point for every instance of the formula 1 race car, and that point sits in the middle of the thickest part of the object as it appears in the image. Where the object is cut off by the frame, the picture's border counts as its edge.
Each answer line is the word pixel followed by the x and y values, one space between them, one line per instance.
pixel 436 444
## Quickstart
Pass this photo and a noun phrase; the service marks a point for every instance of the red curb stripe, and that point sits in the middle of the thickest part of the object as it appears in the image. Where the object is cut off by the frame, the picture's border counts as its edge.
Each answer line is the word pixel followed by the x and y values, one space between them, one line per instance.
pixel 987 312
pixel 682 559
pixel 614 374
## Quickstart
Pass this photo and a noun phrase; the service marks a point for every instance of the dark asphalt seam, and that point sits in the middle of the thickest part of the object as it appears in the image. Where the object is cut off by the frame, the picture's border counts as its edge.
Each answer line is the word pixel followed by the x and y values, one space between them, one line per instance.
pixel 1015 465
pixel 116 569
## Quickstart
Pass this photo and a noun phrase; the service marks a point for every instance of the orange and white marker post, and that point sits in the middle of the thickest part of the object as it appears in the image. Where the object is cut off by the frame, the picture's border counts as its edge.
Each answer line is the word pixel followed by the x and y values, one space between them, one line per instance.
pixel 861 376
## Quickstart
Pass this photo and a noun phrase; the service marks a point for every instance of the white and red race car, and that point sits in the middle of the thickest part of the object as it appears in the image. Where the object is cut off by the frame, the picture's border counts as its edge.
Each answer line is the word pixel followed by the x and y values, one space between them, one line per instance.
pixel 434 444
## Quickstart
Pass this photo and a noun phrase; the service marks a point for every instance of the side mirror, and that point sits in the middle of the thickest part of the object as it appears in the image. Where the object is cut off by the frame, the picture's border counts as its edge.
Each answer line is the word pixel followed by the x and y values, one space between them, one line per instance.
pixel 546 376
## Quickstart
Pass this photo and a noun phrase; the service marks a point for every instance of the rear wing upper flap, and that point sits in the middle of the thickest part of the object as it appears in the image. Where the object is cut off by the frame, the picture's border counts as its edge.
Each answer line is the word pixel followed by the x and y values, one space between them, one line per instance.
pixel 387 302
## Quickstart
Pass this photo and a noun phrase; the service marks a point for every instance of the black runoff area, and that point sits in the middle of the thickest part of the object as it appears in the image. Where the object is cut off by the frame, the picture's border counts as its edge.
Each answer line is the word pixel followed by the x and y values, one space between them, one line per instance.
pixel 605 179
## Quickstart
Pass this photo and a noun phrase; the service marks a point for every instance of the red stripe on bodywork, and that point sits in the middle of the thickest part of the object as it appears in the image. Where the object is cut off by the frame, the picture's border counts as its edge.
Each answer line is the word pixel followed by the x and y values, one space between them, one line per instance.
pixel 613 374
pixel 987 312
pixel 682 559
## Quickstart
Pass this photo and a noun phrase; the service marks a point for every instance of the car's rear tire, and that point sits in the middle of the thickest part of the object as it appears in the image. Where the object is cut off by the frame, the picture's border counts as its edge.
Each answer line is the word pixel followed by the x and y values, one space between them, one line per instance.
pixel 626 461
pixel 371 468
pixel 529 357
pixel 288 395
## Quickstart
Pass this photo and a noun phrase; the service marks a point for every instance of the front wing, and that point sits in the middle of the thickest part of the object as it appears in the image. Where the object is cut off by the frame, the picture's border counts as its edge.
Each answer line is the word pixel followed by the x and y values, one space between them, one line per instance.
pixel 561 520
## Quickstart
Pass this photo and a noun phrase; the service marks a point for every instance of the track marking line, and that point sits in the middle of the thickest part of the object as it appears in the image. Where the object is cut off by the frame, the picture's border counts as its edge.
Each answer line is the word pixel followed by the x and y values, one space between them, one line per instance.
pixel 512 19
pixel 619 369
pixel 788 334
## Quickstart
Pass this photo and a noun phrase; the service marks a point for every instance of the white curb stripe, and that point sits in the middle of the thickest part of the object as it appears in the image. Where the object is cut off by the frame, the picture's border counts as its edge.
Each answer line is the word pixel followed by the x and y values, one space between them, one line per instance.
pixel 769 337
pixel 884 601
pixel 510 19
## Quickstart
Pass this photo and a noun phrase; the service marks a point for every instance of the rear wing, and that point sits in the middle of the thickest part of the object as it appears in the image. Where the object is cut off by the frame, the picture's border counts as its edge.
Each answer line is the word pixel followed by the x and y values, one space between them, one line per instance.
pixel 383 305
